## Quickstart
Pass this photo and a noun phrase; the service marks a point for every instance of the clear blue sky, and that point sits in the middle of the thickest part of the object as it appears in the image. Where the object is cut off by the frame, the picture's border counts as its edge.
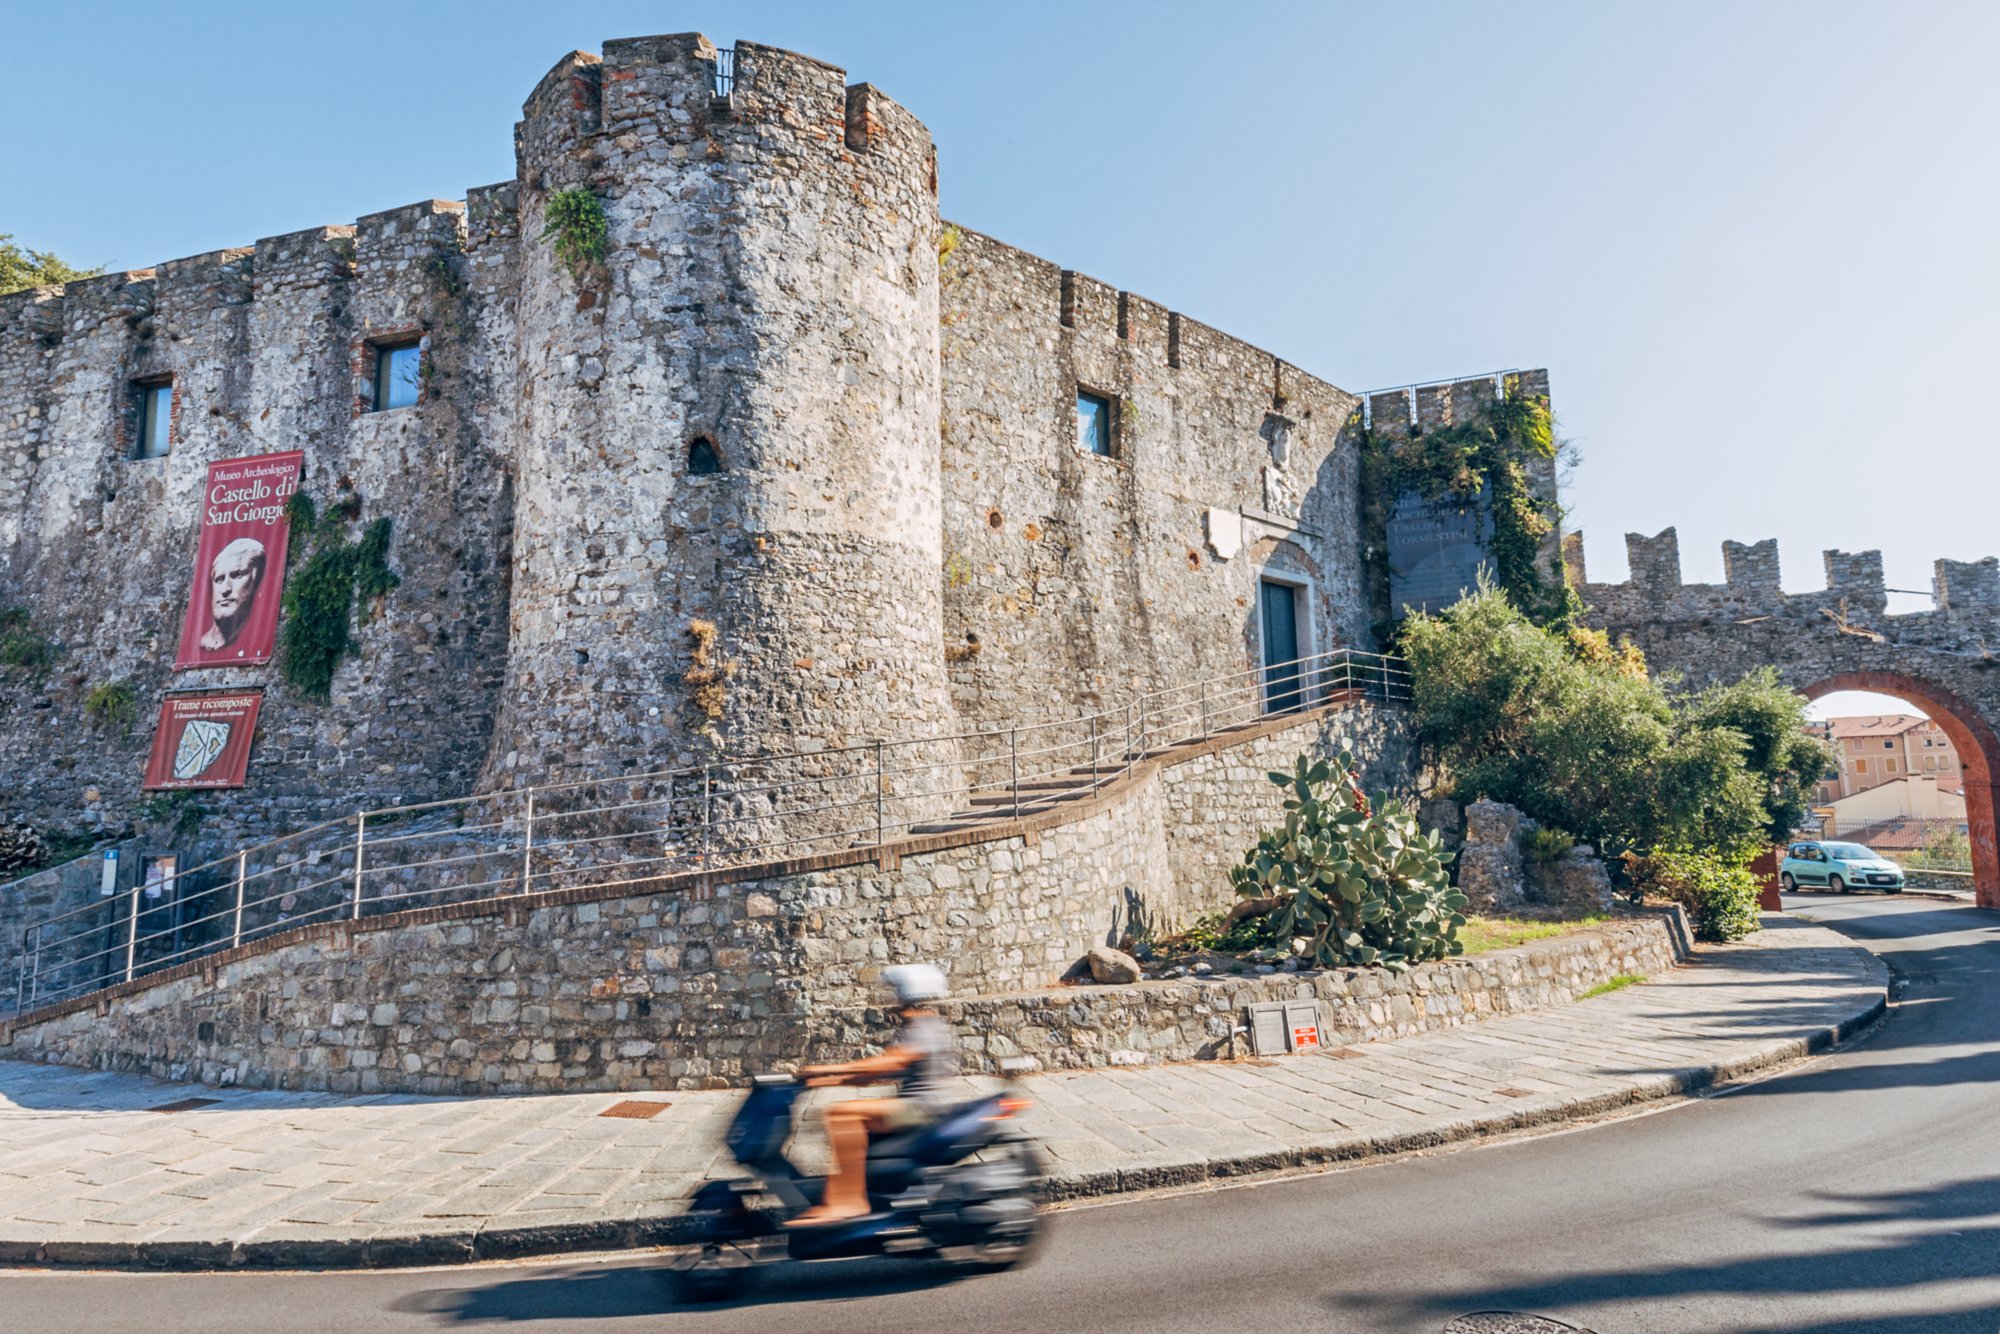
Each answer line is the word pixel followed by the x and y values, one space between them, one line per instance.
pixel 1757 245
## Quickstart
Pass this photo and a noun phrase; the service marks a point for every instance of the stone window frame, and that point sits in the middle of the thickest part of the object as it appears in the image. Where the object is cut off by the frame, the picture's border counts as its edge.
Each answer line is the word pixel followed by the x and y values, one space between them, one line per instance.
pixel 132 416
pixel 1114 419
pixel 368 349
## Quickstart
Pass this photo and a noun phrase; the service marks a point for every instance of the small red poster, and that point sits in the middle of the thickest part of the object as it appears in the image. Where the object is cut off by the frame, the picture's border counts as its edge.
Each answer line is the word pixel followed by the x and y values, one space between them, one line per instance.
pixel 239 563
pixel 203 740
pixel 1305 1037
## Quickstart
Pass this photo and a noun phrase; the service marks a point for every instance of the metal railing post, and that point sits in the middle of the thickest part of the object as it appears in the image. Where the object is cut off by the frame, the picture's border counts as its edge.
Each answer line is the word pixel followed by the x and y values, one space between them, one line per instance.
pixel 1093 751
pixel 881 809
pixel 236 928
pixel 21 975
pixel 132 936
pixel 528 845
pixel 35 972
pixel 707 781
pixel 1014 767
pixel 1204 710
pixel 360 850
pixel 1385 680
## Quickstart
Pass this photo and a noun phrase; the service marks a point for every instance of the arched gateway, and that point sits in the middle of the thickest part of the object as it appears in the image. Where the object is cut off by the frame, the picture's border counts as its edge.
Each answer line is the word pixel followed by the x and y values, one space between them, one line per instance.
pixel 1946 661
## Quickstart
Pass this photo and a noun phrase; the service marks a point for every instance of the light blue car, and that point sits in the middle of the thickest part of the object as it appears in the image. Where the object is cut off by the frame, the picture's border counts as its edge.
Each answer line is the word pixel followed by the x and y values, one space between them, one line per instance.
pixel 1838 867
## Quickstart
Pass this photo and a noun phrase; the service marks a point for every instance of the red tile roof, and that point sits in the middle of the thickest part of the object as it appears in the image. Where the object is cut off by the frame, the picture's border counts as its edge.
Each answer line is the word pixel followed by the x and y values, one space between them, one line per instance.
pixel 1881 724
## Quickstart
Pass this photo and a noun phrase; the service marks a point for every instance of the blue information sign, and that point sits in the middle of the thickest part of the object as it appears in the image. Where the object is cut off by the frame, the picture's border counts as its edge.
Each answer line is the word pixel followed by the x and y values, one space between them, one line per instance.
pixel 1436 550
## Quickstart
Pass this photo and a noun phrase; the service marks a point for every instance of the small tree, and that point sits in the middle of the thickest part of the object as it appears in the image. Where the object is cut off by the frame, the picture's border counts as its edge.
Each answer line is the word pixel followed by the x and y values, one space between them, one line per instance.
pixel 1342 882
pixel 21 268
pixel 1574 732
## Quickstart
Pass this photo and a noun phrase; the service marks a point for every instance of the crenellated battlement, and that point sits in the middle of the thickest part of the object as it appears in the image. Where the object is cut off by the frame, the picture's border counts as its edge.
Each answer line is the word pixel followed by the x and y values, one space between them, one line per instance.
pixel 1855 593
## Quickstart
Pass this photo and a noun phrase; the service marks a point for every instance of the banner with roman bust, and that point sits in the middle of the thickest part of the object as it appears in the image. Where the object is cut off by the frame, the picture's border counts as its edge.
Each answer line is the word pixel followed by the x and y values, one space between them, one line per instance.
pixel 239 564
pixel 203 740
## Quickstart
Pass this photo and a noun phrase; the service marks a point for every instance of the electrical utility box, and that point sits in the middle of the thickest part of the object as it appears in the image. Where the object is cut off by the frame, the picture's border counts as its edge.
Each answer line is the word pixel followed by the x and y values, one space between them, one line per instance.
pixel 1279 1027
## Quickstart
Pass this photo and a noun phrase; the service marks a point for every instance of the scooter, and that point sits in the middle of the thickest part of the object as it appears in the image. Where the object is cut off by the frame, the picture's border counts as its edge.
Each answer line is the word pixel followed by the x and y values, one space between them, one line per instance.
pixel 965 1187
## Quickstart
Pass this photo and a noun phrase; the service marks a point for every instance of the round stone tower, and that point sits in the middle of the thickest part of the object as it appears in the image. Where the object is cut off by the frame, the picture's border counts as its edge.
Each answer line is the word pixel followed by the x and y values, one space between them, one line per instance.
pixel 727 534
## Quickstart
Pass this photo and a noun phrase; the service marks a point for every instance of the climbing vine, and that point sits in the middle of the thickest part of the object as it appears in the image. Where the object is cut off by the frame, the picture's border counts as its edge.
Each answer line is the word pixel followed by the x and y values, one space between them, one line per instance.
pixel 574 220
pixel 321 594
pixel 1486 453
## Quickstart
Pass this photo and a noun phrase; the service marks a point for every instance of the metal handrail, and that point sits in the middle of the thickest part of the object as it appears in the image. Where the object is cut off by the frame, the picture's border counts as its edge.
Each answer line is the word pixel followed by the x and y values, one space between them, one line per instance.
pixel 734 812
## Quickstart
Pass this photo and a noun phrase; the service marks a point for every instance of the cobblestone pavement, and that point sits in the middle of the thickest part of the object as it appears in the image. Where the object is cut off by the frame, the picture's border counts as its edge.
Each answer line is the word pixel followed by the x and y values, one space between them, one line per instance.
pixel 103 1169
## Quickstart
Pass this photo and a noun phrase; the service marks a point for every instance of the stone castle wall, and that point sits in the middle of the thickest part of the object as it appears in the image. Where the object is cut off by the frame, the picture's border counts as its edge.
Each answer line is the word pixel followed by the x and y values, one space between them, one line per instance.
pixel 904 541
pixel 1842 637
pixel 695 981
pixel 262 345
pixel 1088 578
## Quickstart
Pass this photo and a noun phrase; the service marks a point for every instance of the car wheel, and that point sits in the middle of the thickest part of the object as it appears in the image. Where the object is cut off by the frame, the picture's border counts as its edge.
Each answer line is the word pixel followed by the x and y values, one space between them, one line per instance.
pixel 1838 885
pixel 1786 883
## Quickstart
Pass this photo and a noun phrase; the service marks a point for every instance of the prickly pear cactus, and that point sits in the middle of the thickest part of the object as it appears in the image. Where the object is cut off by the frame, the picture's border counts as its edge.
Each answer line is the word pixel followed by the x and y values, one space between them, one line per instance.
pixel 1348 883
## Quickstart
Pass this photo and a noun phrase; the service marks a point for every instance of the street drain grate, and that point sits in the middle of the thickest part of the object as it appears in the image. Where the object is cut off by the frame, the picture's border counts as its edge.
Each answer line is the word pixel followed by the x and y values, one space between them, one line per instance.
pixel 1515 1093
pixel 1347 1053
pixel 1510 1322
pixel 186 1105
pixel 635 1111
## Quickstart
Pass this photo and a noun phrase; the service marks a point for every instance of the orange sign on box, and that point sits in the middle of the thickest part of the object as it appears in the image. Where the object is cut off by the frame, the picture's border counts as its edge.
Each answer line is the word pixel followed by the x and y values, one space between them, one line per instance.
pixel 203 740
pixel 1304 1038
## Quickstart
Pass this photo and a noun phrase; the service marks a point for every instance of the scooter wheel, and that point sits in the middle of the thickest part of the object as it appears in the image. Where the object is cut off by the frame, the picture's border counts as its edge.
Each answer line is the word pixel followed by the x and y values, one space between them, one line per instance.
pixel 715 1273
pixel 1016 1251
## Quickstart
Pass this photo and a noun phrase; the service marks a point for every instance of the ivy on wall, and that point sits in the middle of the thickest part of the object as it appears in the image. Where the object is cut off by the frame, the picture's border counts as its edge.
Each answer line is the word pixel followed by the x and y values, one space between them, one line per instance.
pixel 321 593
pixel 1486 453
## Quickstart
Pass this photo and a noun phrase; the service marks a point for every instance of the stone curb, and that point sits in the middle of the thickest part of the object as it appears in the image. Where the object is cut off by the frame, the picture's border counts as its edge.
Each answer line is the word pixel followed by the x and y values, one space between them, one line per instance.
pixel 1549 1111
pixel 464 1246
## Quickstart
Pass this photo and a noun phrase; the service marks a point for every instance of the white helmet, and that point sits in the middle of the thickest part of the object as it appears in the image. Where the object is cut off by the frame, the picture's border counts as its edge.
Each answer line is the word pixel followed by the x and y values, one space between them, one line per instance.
pixel 915 983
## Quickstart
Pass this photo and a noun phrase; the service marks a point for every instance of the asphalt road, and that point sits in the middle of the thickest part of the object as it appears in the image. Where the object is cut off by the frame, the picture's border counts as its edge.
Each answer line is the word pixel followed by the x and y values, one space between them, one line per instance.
pixel 1859 1192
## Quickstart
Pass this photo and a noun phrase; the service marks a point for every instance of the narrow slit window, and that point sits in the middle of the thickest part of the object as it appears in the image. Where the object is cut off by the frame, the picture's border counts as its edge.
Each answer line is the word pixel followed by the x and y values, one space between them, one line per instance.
pixel 1093 423
pixel 702 458
pixel 156 420
pixel 396 371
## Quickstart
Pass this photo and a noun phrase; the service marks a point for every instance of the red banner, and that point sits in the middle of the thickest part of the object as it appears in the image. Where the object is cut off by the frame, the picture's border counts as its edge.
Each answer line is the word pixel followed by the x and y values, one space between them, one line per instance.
pixel 239 564
pixel 203 740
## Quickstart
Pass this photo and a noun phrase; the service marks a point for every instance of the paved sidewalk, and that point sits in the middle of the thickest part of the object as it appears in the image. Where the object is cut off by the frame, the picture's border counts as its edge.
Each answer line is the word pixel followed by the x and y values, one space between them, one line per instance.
pixel 98 1169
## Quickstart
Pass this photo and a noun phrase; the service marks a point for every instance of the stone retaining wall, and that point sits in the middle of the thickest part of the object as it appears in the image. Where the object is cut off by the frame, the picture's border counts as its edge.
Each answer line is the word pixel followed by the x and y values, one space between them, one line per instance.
pixel 1191 1019
pixel 697 980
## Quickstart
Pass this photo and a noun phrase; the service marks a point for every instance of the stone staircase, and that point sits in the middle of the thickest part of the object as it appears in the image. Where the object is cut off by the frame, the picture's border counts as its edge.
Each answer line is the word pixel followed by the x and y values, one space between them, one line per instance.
pixel 1047 792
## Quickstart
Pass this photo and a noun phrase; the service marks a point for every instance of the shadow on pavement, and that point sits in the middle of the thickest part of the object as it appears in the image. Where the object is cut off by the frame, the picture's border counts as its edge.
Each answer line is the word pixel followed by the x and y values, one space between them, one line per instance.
pixel 626 1291
pixel 1909 1261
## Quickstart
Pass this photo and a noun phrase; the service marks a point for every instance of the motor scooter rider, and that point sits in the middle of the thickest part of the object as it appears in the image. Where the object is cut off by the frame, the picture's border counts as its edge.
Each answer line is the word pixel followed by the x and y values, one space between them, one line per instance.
pixel 922 1056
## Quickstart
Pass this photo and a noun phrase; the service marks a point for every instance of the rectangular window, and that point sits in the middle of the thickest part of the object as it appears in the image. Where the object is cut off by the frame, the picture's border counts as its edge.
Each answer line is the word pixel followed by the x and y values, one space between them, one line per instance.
pixel 1888 745
pixel 156 419
pixel 396 376
pixel 1892 765
pixel 1093 423
pixel 1861 766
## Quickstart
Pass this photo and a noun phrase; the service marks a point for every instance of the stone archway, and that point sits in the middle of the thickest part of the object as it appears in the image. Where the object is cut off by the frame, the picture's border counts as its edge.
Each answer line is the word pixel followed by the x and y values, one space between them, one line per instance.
pixel 1979 756
pixel 1842 637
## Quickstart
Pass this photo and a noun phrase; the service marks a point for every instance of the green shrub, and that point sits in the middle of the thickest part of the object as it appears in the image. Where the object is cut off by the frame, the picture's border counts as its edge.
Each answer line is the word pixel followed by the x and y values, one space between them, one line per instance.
pixel 1720 895
pixel 1545 845
pixel 111 704
pixel 20 644
pixel 574 220
pixel 1342 882
pixel 1576 735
